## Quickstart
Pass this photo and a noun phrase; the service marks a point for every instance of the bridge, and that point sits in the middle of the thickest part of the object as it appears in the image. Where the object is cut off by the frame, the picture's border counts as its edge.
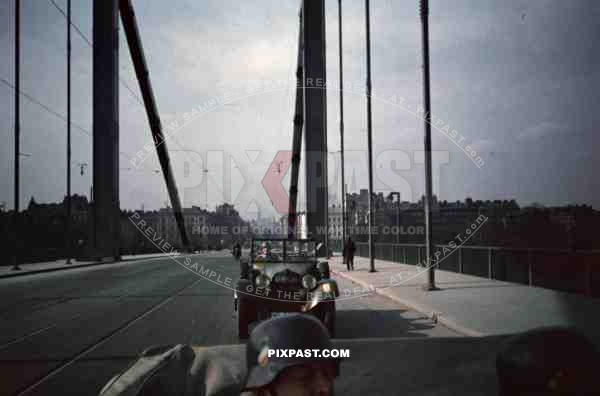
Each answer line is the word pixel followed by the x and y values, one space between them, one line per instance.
pixel 427 317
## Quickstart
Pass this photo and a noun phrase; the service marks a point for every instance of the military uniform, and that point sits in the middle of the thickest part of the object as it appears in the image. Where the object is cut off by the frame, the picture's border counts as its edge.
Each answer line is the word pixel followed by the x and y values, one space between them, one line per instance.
pixel 179 371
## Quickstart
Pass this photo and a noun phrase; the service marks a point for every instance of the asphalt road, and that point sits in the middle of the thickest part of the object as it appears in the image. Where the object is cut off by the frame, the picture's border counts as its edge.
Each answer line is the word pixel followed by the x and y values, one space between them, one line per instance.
pixel 68 332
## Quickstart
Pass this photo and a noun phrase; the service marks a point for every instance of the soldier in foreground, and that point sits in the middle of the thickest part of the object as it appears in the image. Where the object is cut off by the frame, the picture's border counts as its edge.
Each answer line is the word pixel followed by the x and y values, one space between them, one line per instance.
pixel 548 361
pixel 273 376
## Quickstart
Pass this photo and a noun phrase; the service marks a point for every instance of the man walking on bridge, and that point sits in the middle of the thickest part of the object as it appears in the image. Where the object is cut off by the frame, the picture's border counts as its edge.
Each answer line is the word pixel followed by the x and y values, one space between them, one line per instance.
pixel 348 254
pixel 237 251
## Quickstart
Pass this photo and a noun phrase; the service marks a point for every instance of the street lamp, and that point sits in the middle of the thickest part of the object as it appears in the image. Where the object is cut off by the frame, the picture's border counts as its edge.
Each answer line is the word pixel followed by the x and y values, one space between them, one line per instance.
pixel 397 194
pixel 69 203
pixel 370 137
pixel 82 167
pixel 17 151
pixel 424 11
pixel 341 67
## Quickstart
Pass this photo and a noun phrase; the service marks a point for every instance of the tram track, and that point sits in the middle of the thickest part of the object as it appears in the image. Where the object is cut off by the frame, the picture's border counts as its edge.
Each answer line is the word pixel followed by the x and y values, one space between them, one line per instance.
pixel 90 348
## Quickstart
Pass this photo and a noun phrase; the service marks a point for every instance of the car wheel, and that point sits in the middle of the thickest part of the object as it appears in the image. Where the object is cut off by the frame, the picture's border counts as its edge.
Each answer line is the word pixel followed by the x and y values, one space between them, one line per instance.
pixel 245 315
pixel 328 317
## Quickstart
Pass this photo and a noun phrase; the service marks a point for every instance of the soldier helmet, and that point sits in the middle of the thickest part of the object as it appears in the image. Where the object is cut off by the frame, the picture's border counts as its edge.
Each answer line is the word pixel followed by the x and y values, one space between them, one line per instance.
pixel 296 331
pixel 548 361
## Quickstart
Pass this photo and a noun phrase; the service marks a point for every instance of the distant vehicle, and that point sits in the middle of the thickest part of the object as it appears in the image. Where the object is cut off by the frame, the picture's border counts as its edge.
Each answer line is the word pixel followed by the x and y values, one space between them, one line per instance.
pixel 283 276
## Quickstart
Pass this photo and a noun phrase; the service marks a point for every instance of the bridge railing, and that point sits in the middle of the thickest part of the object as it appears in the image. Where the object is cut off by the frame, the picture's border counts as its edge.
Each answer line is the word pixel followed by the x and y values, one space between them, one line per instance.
pixel 576 271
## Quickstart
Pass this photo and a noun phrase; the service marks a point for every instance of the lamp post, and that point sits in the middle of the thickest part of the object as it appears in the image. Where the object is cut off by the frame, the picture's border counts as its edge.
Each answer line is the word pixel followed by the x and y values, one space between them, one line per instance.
pixel 397 194
pixel 16 223
pixel 342 123
pixel 69 206
pixel 424 11
pixel 205 171
pixel 370 139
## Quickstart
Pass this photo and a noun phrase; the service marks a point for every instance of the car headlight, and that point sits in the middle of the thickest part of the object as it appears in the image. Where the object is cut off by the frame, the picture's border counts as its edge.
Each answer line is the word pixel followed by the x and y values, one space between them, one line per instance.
pixel 258 266
pixel 263 280
pixel 327 288
pixel 309 281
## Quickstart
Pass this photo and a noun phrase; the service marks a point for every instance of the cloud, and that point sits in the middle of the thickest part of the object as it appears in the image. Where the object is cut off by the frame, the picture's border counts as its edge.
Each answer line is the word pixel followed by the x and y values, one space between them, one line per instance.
pixel 485 145
pixel 498 79
pixel 203 64
pixel 543 129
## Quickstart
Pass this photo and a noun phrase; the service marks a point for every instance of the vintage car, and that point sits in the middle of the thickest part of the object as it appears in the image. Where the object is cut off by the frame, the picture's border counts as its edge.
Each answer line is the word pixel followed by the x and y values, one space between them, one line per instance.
pixel 283 276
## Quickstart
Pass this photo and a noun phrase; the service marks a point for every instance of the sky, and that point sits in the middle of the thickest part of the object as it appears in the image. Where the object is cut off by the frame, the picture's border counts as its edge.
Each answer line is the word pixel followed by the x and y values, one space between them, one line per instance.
pixel 514 86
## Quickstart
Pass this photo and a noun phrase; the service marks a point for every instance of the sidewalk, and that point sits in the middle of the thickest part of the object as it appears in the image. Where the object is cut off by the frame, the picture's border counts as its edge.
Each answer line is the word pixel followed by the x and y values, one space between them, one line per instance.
pixel 6 271
pixel 475 306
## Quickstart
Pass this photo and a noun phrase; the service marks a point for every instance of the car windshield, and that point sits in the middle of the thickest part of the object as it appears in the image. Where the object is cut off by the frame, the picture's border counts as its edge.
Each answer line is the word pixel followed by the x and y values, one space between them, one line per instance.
pixel 267 250
pixel 273 250
pixel 300 249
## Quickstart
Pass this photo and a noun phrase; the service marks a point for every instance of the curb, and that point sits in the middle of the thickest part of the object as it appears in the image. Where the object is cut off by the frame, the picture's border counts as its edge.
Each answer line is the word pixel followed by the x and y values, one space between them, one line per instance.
pixel 437 317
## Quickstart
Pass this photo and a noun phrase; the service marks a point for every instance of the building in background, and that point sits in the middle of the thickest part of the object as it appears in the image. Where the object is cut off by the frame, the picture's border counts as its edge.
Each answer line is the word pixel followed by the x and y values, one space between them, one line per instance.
pixel 335 228
pixel 507 225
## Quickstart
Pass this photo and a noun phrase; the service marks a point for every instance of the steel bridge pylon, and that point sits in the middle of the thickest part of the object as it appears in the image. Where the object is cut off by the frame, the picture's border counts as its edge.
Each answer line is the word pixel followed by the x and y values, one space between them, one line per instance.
pixel 311 115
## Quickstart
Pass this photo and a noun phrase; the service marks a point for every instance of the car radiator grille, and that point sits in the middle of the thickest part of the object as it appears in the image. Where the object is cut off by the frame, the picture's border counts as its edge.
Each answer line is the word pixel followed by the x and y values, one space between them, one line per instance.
pixel 287 279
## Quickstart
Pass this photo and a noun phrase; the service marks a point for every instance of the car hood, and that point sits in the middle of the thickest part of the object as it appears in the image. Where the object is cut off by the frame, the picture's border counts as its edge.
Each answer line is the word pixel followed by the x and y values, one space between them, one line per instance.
pixel 271 269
